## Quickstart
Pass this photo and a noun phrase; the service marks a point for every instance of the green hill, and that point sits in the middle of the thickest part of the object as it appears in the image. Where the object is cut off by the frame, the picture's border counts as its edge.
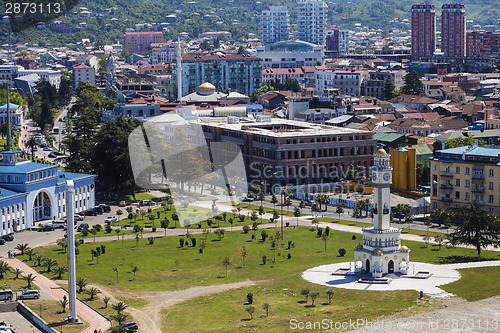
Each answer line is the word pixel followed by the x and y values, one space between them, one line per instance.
pixel 110 18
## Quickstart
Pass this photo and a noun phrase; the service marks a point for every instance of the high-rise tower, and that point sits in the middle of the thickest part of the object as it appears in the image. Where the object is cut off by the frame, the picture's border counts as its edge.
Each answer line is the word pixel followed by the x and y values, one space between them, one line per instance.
pixel 274 25
pixel 423 31
pixel 381 252
pixel 311 20
pixel 453 30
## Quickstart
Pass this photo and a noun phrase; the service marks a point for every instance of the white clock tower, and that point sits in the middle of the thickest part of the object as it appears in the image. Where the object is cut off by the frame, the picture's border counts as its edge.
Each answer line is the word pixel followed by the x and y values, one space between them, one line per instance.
pixel 381 252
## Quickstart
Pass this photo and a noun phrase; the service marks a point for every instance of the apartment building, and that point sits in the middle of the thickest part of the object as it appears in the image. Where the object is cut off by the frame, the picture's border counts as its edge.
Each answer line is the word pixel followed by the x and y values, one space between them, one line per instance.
pixel 483 44
pixel 350 82
pixel 423 31
pixel 311 21
pixel 291 54
pixel 453 30
pixel 83 73
pixel 467 174
pixel 161 53
pixel 139 42
pixel 274 25
pixel 375 84
pixel 282 74
pixel 235 72
pixel 337 41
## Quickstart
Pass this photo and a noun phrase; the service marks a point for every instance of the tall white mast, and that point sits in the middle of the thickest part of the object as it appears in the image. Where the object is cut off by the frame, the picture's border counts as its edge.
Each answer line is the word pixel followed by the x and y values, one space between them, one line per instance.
pixel 179 70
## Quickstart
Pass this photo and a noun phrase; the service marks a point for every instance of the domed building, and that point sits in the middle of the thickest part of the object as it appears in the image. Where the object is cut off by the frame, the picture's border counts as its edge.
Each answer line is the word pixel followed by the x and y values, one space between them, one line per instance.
pixel 381 251
pixel 207 94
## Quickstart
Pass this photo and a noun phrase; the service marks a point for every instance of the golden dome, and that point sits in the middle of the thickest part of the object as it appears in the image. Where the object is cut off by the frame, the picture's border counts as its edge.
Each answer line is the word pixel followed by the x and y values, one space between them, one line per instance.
pixel 206 87
pixel 359 246
pixel 381 151
pixel 377 251
pixel 403 248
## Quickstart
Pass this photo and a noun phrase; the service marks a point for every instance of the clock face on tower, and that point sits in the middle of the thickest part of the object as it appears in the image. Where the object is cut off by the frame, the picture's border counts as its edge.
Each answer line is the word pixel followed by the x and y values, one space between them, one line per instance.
pixel 387 176
pixel 374 176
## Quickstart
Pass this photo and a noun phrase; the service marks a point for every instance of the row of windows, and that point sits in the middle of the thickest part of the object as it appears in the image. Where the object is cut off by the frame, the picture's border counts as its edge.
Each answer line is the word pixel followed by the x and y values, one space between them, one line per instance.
pixel 13 208
pixel 491 172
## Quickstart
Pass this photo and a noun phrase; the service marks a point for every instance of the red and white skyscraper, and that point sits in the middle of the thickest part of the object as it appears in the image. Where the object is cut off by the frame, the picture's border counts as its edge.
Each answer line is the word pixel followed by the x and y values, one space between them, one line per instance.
pixel 453 30
pixel 423 31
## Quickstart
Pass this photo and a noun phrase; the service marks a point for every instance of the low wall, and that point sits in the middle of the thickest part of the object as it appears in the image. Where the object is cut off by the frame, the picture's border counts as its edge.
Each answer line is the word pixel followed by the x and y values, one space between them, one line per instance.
pixel 34 319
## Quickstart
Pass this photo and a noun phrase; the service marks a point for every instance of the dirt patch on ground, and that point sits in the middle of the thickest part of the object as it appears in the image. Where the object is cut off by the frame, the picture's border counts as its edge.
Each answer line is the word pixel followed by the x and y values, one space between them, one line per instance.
pixel 455 315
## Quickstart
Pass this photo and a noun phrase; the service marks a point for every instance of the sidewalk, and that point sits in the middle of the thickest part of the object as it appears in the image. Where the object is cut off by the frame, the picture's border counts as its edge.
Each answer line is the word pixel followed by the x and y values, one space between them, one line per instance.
pixel 94 319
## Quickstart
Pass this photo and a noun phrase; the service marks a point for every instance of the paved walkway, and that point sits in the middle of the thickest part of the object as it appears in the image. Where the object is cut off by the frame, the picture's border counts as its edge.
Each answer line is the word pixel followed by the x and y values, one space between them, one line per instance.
pixel 93 318
pixel 440 275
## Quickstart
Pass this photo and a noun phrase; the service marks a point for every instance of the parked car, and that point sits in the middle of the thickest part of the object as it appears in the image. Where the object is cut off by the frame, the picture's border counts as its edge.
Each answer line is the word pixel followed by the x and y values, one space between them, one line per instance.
pixel 2 241
pixel 29 294
pixel 98 210
pixel 130 326
pixel 309 202
pixel 79 217
pixel 52 155
pixel 105 208
pixel 58 153
pixel 214 191
pixel 58 224
pixel 47 227
pixel 47 149
pixel 6 294
pixel 246 199
pixel 90 212
pixel 122 204
pixel 143 202
pixel 82 226
pixel 8 237
pixel 110 219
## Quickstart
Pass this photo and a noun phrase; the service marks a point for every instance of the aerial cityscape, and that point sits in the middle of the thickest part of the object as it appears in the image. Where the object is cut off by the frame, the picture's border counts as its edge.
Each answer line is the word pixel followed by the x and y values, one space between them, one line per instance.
pixel 274 166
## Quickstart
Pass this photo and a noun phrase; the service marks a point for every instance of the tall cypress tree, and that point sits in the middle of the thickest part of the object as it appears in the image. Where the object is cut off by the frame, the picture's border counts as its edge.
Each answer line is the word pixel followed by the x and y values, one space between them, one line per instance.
pixel 413 85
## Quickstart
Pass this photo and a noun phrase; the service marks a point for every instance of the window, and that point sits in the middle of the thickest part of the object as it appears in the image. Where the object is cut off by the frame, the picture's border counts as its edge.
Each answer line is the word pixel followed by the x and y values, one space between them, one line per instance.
pixel 467 196
pixel 467 183
pixel 491 173
pixel 491 198
pixel 490 185
pixel 433 166
pixel 467 170
pixel 457 195
pixel 457 182
pixel 457 170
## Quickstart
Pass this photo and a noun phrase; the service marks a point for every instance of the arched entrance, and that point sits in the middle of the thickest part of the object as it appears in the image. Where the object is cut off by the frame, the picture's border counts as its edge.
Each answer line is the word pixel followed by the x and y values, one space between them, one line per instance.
pixel 391 266
pixel 42 207
pixel 367 266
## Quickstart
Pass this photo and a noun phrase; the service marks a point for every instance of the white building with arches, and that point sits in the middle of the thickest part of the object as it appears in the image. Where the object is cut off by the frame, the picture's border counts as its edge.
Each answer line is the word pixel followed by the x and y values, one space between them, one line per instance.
pixel 381 251
pixel 32 192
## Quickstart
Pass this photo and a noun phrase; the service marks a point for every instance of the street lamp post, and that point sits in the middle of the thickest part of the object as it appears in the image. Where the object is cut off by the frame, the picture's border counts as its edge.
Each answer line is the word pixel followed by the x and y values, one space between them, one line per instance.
pixel 40 309
pixel 281 213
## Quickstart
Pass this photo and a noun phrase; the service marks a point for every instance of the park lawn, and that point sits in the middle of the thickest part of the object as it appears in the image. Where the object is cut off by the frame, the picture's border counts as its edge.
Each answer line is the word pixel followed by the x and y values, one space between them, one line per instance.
pixel 164 265
pixel 51 313
pixel 244 205
pixel 476 283
pixel 225 312
pixel 102 233
pixel 10 282
pixel 138 196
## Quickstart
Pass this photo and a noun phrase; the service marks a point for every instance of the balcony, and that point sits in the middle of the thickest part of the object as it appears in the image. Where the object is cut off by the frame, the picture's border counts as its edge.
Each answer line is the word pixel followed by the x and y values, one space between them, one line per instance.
pixel 446 199
pixel 478 189
pixel 446 174
pixel 477 176
pixel 446 186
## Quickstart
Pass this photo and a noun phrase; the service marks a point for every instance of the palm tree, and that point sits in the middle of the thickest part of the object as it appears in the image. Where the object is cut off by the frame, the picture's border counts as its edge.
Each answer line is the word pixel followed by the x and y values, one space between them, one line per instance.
pixel 92 292
pixel 29 279
pixel 120 318
pixel 63 303
pixel 31 143
pixel 22 248
pixel 16 273
pixel 4 268
pixel 30 253
pixel 59 271
pixel 81 283
pixel 119 307
pixel 49 264
pixel 296 213
pixel 106 301
pixel 330 293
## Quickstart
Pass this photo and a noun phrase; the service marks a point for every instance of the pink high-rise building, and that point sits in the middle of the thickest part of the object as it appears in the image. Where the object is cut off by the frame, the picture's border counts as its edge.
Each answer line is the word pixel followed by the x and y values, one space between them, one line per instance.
pixel 139 42
pixel 453 30
pixel 423 31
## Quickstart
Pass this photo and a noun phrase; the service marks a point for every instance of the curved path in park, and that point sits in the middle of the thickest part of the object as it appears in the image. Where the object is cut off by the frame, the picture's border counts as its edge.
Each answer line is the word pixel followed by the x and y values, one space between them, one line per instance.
pixel 148 317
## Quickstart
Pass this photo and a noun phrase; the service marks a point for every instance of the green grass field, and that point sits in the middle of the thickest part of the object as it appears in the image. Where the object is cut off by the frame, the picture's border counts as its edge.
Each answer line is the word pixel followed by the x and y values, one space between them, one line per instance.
pixel 164 265
pixel 483 279
pixel 52 314
pixel 225 312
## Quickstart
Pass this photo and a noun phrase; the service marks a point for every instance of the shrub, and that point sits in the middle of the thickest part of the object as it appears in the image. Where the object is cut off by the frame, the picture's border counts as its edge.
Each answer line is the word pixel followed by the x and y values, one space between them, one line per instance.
pixel 289 256
pixel 319 232
pixel 186 243
pixel 193 242
pixel 287 224
pixel 137 228
pixel 327 231
pixel 107 228
pixel 250 298
pixel 289 244
pixel 342 251
pixel 103 249
pixel 246 229
pixel 85 232
pixel 181 242
pixel 151 240
pixel 264 260
pixel 175 217
pixel 353 237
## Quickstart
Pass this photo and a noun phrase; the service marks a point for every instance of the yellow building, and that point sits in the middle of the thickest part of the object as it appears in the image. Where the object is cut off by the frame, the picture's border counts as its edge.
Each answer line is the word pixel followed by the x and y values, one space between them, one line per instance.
pixel 404 165
pixel 466 174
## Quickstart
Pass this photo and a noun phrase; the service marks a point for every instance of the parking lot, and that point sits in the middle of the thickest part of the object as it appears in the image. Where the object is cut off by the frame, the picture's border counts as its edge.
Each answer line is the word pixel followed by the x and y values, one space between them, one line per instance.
pixel 18 323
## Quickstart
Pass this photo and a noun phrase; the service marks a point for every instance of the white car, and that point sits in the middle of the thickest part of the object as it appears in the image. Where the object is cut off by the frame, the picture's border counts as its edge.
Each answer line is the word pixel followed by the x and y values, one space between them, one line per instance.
pixel 110 219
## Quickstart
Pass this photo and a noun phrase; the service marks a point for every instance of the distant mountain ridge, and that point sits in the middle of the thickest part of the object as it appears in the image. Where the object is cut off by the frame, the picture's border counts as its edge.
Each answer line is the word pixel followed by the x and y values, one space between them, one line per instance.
pixel 110 18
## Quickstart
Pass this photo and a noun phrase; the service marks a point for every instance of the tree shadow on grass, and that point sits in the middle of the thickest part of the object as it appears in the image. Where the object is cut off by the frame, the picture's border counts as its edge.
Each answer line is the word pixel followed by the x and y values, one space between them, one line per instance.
pixel 310 306
pixel 245 319
pixel 301 302
pixel 460 259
